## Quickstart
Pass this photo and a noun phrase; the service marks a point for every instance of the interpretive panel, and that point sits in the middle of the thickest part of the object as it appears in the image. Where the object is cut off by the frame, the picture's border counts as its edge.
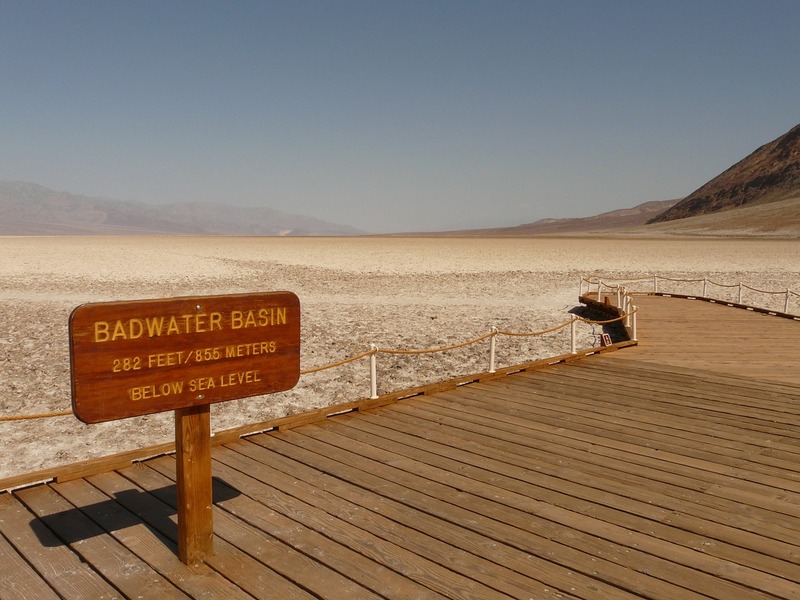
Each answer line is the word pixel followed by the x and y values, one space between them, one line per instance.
pixel 135 358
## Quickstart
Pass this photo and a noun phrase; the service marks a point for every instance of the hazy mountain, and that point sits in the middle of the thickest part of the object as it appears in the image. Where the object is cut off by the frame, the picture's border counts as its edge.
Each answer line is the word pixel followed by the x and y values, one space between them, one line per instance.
pixel 31 209
pixel 770 174
pixel 604 222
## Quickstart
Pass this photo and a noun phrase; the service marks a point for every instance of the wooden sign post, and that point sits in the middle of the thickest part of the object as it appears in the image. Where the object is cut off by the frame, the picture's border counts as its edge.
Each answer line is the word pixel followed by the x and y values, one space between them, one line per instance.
pixel 135 358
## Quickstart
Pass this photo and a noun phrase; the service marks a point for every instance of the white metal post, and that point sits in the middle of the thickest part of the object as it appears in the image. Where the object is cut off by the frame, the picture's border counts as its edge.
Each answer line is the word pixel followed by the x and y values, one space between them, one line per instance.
pixel 740 293
pixel 634 336
pixel 373 372
pixel 492 349
pixel 573 344
pixel 627 310
pixel 786 304
pixel 705 287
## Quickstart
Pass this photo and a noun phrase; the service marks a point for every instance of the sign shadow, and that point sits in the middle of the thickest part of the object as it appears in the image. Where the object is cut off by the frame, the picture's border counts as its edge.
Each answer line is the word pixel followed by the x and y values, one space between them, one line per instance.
pixel 153 509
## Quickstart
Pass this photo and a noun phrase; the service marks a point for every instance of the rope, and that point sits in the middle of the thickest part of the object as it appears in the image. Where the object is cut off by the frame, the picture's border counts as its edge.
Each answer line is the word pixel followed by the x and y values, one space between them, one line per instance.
pixel 441 349
pixel 62 413
pixel 595 279
pixel 762 291
pixel 730 285
pixel 337 363
pixel 532 333
pixel 601 278
pixel 620 318
pixel 680 280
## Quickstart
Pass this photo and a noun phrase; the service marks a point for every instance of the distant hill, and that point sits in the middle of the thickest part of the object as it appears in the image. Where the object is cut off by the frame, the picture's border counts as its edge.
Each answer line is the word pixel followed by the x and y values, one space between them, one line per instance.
pixel 31 209
pixel 770 174
pixel 779 219
pixel 604 222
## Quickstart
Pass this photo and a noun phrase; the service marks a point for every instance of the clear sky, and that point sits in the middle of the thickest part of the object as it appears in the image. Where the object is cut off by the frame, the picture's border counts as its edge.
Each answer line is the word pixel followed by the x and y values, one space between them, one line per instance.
pixel 397 115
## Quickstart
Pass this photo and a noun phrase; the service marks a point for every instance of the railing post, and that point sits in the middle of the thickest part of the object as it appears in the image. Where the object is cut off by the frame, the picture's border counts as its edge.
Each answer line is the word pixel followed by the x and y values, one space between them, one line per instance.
pixel 573 343
pixel 619 295
pixel 373 372
pixel 599 286
pixel 634 335
pixel 492 349
pixel 740 293
pixel 786 304
pixel 627 303
pixel 705 287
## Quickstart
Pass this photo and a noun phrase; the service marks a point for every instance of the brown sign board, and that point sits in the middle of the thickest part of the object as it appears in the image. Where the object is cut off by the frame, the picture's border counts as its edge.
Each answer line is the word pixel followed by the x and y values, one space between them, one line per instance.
pixel 141 357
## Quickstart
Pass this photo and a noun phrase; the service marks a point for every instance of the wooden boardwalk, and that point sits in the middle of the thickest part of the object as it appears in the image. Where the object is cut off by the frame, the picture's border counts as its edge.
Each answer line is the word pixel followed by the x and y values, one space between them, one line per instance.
pixel 714 337
pixel 623 475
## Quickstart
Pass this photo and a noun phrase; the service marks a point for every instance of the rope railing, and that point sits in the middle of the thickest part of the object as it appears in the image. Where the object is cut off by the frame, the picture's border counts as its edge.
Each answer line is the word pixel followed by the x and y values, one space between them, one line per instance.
pixel 375 350
pixel 601 283
pixel 60 413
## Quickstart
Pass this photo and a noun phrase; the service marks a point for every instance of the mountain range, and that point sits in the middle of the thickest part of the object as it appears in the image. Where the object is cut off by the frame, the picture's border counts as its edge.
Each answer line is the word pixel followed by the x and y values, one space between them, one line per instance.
pixel 758 196
pixel 31 209
pixel 770 174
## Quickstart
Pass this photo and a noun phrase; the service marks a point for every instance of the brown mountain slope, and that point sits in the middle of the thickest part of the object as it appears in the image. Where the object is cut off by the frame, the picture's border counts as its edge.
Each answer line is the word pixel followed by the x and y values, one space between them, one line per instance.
pixel 770 174
pixel 779 219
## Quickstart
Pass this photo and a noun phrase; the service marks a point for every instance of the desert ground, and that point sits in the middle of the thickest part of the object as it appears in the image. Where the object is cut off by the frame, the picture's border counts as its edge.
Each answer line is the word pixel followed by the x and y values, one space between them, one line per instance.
pixel 395 292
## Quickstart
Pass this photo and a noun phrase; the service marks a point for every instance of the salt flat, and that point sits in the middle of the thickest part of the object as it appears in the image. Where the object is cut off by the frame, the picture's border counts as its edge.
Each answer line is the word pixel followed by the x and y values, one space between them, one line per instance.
pixel 395 292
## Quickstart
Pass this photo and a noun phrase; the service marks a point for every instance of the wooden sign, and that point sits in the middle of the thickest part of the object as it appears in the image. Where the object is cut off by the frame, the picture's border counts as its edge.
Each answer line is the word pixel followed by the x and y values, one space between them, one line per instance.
pixel 135 358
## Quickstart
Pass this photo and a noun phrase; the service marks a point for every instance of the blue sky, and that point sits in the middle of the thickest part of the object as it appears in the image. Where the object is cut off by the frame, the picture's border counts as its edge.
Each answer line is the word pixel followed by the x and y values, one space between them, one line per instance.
pixel 394 115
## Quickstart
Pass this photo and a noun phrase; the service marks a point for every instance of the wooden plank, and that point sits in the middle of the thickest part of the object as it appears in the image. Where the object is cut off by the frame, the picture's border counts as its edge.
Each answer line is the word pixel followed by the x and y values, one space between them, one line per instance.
pixel 471 556
pixel 565 485
pixel 99 503
pixel 735 453
pixel 424 559
pixel 628 457
pixel 420 577
pixel 18 581
pixel 125 571
pixel 501 524
pixel 669 559
pixel 158 507
pixel 50 557
pixel 717 338
pixel 542 396
pixel 667 410
pixel 307 561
